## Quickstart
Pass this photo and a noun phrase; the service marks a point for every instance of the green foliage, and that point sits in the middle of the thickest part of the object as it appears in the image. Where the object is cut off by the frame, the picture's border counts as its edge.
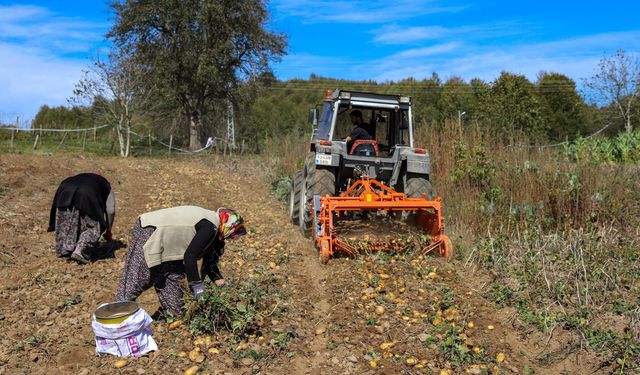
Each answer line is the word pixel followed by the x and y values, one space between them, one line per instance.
pixel 454 349
pixel 501 294
pixel 562 106
pixel 456 96
pixel 237 308
pixel 62 118
pixel 515 107
pixel 282 188
pixel 474 168
pixel 623 148
pixel 197 52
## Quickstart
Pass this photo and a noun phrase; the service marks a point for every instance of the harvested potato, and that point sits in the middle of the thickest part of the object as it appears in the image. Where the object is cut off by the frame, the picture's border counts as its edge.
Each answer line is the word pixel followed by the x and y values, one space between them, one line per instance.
pixel 195 354
pixel 120 363
pixel 175 324
pixel 191 370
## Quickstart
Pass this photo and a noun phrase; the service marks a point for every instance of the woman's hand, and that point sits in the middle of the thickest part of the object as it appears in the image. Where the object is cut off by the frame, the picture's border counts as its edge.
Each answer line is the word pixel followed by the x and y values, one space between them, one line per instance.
pixel 219 282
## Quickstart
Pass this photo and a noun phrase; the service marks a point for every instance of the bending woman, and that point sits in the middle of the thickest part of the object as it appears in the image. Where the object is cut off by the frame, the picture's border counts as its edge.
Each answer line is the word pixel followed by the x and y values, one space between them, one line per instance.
pixel 83 208
pixel 166 244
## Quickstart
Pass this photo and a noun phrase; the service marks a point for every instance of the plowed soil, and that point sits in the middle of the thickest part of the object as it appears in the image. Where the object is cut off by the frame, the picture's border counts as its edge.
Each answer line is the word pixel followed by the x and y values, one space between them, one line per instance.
pixel 376 313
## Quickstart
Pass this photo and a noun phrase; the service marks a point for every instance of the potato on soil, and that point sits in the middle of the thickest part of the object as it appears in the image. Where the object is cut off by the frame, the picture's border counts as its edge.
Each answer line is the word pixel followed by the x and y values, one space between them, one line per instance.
pixel 174 325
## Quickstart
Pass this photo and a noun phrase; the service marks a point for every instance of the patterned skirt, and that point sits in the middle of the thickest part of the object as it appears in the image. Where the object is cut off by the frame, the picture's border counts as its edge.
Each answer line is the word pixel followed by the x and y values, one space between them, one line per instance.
pixel 167 278
pixel 75 232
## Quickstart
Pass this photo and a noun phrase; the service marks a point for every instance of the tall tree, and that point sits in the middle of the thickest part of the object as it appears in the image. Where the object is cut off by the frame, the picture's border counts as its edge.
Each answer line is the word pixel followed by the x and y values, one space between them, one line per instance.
pixel 617 82
pixel 515 106
pixel 456 98
pixel 562 106
pixel 197 51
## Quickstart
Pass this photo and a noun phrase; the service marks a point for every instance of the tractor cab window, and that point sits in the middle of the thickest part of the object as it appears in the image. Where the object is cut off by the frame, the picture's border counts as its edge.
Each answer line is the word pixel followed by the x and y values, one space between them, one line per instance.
pixel 324 124
pixel 388 127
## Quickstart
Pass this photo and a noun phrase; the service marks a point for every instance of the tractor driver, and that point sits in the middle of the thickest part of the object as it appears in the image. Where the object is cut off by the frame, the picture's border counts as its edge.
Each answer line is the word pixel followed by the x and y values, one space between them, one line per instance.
pixel 360 129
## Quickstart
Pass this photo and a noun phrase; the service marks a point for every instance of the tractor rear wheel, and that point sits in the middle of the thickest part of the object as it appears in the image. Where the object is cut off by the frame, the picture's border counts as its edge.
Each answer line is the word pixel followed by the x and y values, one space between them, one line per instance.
pixel 318 181
pixel 417 185
pixel 294 198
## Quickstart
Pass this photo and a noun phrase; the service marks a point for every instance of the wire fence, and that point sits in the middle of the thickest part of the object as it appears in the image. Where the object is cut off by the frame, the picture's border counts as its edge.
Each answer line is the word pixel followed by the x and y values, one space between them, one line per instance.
pixel 96 138
pixel 103 138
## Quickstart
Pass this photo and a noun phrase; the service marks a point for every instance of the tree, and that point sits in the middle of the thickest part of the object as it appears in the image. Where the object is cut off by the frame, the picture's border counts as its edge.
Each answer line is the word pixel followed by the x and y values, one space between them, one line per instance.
pixel 197 51
pixel 562 107
pixel 457 97
pixel 61 118
pixel 114 87
pixel 514 105
pixel 617 82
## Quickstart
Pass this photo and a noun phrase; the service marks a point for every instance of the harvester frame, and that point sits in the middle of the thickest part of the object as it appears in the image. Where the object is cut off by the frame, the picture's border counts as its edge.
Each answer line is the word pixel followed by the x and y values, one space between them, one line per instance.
pixel 368 195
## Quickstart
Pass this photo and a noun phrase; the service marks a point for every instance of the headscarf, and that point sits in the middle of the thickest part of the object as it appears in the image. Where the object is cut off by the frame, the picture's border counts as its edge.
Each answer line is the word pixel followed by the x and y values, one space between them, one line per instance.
pixel 231 223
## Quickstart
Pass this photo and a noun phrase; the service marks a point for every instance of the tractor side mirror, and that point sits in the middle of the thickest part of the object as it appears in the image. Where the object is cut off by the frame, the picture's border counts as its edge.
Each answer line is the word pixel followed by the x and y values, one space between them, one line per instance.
pixel 313 116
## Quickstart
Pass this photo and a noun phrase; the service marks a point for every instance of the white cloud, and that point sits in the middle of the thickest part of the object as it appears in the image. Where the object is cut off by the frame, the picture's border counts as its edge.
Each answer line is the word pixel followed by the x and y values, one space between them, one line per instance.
pixel 575 57
pixel 39 27
pixel 438 49
pixel 359 11
pixel 393 34
pixel 42 57
pixel 31 78
pixel 13 13
pixel 325 66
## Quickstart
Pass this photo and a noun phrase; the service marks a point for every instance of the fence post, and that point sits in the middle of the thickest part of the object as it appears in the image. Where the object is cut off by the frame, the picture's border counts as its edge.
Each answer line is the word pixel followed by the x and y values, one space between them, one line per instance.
pixel 84 139
pixel 149 143
pixel 35 144
pixel 170 143
pixel 13 132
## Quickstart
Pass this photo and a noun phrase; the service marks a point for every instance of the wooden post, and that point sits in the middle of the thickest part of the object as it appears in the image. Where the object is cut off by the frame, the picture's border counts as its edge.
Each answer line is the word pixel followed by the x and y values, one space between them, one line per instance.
pixel 35 144
pixel 149 143
pixel 13 132
pixel 170 143
pixel 84 139
pixel 94 134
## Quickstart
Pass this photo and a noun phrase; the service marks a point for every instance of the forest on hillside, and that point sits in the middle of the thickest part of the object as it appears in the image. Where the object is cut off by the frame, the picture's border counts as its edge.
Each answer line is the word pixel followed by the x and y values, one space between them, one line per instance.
pixel 183 72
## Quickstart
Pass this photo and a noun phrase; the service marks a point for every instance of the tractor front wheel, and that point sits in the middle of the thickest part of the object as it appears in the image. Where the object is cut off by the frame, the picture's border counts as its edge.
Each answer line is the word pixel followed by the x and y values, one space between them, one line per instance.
pixel 318 181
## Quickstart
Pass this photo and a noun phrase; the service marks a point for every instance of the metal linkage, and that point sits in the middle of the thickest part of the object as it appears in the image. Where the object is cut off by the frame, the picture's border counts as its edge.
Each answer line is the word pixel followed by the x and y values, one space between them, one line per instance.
pixel 371 195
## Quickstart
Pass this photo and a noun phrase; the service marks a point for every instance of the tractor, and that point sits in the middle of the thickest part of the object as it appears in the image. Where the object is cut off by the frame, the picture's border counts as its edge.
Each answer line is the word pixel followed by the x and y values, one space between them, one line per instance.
pixel 344 179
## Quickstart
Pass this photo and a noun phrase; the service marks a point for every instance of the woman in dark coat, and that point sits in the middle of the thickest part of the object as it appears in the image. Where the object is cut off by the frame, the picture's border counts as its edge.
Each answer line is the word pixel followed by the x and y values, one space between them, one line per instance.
pixel 166 245
pixel 83 209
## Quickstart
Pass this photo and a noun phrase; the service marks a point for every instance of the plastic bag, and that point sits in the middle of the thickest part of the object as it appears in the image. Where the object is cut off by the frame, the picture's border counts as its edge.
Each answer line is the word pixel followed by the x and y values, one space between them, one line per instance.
pixel 131 338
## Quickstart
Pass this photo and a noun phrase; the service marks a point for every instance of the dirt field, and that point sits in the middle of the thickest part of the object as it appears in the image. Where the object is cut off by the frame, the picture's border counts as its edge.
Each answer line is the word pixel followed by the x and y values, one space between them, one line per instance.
pixel 373 314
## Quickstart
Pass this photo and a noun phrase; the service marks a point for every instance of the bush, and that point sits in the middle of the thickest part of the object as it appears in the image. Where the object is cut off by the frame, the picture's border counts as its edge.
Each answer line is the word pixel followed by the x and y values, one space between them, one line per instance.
pixel 238 308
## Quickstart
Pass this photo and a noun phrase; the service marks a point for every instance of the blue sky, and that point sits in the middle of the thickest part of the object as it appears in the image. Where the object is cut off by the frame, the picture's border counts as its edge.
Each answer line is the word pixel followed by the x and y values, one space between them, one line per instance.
pixel 44 45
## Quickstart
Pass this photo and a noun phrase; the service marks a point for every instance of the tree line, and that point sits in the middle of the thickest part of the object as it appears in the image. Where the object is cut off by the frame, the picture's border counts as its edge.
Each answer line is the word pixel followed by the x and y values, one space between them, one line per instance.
pixel 181 68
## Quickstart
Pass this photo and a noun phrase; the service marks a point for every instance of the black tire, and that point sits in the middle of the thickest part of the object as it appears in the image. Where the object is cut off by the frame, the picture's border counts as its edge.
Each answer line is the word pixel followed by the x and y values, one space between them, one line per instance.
pixel 417 185
pixel 294 198
pixel 318 181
